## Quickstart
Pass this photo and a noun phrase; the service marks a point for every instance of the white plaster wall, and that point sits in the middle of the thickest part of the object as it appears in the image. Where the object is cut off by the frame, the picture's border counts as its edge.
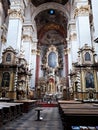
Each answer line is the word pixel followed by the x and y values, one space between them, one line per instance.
pixel 33 67
pixel 27 49
pixel 14 33
pixel 74 51
pixel 83 30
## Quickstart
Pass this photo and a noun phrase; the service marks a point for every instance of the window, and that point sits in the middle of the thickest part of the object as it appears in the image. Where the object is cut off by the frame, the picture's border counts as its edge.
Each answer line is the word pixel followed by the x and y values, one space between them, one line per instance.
pixel 87 56
pixel 8 57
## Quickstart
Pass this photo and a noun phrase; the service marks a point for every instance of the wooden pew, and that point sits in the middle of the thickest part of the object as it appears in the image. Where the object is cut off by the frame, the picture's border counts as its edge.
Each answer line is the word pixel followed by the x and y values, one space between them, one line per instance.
pixel 16 109
pixel 1 116
pixel 10 111
pixel 6 113
pixel 78 115
pixel 27 104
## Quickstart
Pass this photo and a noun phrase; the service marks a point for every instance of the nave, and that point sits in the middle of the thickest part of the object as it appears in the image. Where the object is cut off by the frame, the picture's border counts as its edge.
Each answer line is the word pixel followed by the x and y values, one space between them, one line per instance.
pixel 51 121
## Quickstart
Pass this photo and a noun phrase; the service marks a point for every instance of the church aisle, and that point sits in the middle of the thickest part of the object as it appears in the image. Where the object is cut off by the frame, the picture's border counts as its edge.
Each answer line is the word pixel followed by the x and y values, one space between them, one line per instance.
pixel 51 121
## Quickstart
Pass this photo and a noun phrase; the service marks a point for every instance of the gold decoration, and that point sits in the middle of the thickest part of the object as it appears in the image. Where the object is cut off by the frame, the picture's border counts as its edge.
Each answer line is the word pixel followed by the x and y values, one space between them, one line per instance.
pixel 36 52
pixel 3 39
pixel 27 37
pixel 82 11
pixel 13 13
pixel 66 51
pixel 73 37
pixel 33 51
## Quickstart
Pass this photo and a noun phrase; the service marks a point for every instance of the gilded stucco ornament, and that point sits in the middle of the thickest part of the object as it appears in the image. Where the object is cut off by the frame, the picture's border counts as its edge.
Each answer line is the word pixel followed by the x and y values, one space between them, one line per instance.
pixel 73 37
pixel 13 13
pixel 27 38
pixel 36 52
pixel 82 11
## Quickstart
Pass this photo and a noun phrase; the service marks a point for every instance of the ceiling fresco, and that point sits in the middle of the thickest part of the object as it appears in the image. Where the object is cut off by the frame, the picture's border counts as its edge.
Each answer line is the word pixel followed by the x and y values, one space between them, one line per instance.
pixel 39 2
pixel 51 27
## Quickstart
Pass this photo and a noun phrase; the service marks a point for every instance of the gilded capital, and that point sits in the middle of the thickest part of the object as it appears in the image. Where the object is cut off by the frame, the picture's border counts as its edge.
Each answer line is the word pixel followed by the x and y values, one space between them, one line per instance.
pixel 13 13
pixel 66 51
pixel 27 38
pixel 73 37
pixel 82 11
pixel 3 39
pixel 36 52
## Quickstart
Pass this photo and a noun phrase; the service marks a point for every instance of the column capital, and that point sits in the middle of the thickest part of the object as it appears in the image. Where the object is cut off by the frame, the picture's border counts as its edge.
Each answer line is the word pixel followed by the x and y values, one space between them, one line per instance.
pixel 27 33
pixel 73 37
pixel 13 13
pixel 66 51
pixel 36 52
pixel 82 11
pixel 26 38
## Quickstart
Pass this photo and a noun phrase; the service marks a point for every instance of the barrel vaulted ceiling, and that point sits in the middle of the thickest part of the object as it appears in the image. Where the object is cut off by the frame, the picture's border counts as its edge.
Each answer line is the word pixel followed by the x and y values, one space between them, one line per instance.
pixel 51 23
pixel 39 2
pixel 51 28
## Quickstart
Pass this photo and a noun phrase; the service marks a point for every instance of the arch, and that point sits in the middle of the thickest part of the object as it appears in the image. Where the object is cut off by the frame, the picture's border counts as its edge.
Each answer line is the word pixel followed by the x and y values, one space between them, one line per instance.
pixel 49 5
pixel 51 26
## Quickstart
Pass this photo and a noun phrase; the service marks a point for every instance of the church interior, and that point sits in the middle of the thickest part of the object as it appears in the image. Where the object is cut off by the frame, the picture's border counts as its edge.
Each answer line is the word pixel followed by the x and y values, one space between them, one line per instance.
pixel 49 55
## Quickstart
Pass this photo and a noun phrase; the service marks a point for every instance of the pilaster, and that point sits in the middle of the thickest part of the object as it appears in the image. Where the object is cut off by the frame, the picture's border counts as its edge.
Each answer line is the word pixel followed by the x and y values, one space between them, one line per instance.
pixel 81 15
pixel 33 62
pixel 74 46
pixel 27 42
pixel 66 65
pixel 16 17
pixel 37 65
pixel 94 6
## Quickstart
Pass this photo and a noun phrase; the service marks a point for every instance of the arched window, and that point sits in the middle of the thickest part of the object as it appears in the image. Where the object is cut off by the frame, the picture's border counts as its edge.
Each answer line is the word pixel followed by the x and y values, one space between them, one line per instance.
pixel 8 57
pixel 5 79
pixel 89 80
pixel 87 56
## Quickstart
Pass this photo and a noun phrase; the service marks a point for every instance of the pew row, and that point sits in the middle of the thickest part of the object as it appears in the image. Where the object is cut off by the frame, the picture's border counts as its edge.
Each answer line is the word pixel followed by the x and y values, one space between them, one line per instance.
pixel 76 114
pixel 9 111
pixel 27 104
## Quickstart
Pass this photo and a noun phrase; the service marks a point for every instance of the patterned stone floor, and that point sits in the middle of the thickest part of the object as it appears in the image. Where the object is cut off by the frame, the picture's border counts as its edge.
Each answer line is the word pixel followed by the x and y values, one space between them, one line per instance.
pixel 51 121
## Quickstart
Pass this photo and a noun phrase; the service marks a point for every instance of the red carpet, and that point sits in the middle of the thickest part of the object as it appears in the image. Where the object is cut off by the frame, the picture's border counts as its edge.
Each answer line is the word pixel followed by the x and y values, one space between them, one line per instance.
pixel 44 104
